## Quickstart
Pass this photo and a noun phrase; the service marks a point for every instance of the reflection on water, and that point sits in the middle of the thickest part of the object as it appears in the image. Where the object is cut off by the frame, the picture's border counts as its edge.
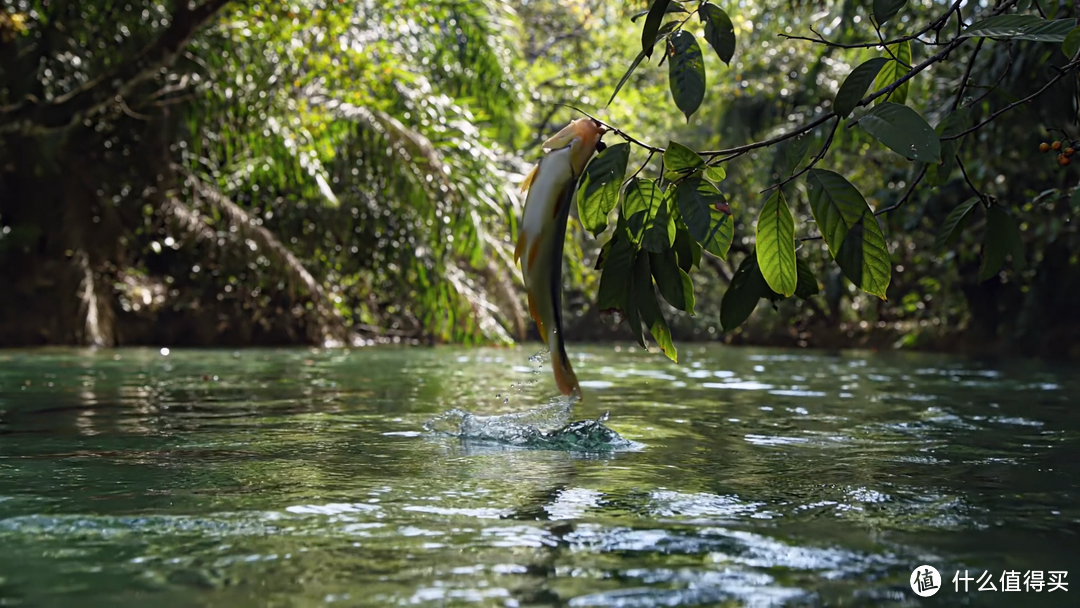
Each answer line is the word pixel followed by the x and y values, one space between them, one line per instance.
pixel 301 477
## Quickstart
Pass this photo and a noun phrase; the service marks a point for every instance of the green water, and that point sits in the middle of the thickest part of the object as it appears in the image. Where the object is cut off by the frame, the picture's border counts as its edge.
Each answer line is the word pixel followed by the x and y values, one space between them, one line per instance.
pixel 299 477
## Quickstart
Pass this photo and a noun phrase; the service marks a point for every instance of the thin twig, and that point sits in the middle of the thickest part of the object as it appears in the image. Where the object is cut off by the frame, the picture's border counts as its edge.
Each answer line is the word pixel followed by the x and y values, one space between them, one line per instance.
pixel 1062 72
pixel 967 73
pixel 906 196
pixel 817 158
pixel 963 169
pixel 935 25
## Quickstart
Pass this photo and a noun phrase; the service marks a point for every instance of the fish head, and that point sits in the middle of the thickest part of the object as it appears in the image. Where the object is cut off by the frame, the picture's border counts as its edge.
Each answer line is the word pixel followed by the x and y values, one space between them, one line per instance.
pixel 583 136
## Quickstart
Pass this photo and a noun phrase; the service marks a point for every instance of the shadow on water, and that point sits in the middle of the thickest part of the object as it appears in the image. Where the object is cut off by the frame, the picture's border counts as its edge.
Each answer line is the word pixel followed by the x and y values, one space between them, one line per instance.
pixel 303 477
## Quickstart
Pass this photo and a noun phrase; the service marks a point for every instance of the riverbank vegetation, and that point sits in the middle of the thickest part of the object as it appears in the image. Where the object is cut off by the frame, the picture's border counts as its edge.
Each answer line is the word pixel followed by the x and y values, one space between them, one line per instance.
pixel 266 173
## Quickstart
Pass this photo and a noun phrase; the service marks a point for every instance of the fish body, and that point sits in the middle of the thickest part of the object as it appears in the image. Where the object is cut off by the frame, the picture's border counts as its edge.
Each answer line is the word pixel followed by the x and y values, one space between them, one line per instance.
pixel 551 187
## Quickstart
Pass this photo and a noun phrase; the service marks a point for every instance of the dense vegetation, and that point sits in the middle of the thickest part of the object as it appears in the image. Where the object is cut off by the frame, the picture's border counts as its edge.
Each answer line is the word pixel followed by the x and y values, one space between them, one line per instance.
pixel 234 172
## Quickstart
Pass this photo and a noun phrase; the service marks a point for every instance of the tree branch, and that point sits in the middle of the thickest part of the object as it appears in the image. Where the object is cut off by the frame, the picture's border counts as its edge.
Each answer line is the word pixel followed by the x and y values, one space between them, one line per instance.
pixel 32 116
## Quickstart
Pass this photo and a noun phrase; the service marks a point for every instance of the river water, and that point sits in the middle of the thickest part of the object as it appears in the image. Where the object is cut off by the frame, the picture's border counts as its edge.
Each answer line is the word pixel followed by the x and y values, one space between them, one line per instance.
pixel 749 477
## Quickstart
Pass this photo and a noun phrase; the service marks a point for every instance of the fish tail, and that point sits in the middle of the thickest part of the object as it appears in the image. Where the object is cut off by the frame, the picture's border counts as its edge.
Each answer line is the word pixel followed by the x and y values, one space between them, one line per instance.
pixel 565 378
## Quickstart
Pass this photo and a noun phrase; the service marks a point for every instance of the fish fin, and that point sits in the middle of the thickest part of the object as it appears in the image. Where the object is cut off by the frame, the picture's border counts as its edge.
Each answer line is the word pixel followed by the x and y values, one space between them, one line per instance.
pixel 521 246
pixel 525 185
pixel 565 378
pixel 535 314
pixel 534 250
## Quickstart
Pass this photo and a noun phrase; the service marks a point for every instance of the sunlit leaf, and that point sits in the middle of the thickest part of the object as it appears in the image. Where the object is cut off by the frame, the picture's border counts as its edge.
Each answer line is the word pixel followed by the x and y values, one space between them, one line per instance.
pixel 892 71
pixel 954 223
pixel 903 131
pixel 850 230
pixel 686 72
pixel 680 161
pixel 776 244
pixel 715 174
pixel 600 183
pixel 855 85
pixel 719 31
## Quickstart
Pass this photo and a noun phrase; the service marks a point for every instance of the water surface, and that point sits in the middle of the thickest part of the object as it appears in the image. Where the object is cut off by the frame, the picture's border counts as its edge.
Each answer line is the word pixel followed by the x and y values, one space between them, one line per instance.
pixel 305 477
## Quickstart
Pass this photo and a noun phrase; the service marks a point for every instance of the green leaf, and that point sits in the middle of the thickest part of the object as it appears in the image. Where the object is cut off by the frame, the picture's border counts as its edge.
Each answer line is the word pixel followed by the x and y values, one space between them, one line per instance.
pixel 715 174
pixel 640 204
pixel 660 226
pixel 807 285
pixel 776 244
pixel 645 298
pixel 719 31
pixel 1071 45
pixel 789 154
pixel 1074 200
pixel 892 71
pixel 887 9
pixel 850 230
pixel 721 233
pixel 741 298
pixel 711 228
pixel 687 249
pixel 954 223
pixel 614 293
pixel 680 161
pixel 686 72
pixel 903 131
pixel 1002 238
pixel 855 85
pixel 664 31
pixel 674 282
pixel 598 192
pixel 951 125
pixel 1021 27
pixel 653 22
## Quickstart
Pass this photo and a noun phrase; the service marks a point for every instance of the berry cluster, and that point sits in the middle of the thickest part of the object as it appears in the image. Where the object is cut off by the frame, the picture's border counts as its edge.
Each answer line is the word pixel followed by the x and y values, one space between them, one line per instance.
pixel 1065 151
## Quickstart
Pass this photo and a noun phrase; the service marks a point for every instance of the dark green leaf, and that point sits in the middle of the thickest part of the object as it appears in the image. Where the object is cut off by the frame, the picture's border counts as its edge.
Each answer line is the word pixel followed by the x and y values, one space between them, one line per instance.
pixel 600 183
pixel 855 85
pixel 652 25
pixel 741 298
pixel 687 249
pixel 1021 27
pixel 887 9
pixel 1002 238
pixel 680 161
pixel 711 228
pixel 776 244
pixel 660 225
pixel 686 72
pixel 614 291
pixel 674 283
pixel 954 223
pixel 641 202
pixel 1074 200
pixel 903 131
pixel 850 230
pixel 645 298
pixel 1071 45
pixel 807 285
pixel 892 71
pixel 951 125
pixel 719 31
pixel 789 154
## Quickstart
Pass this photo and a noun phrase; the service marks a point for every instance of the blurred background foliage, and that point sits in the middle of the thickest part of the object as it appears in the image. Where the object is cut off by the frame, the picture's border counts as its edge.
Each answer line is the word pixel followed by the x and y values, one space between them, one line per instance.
pixel 304 172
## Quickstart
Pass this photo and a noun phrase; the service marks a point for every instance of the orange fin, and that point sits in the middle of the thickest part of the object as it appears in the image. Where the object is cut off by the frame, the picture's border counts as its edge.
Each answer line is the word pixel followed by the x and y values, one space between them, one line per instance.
pixel 520 247
pixel 530 177
pixel 536 317
pixel 565 378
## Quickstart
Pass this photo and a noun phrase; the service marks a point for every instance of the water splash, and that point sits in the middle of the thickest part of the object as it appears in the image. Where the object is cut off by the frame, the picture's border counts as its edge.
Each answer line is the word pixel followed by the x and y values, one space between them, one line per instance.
pixel 525 430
